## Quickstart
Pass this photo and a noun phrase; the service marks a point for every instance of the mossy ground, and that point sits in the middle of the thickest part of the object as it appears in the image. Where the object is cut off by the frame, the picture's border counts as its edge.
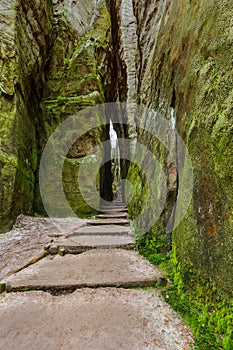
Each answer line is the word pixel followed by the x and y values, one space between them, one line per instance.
pixel 208 313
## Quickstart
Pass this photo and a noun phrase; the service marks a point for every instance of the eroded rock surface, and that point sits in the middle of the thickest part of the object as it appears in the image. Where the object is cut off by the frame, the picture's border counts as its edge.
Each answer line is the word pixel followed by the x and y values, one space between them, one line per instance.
pixel 26 36
pixel 28 239
pixel 54 62
pixel 185 75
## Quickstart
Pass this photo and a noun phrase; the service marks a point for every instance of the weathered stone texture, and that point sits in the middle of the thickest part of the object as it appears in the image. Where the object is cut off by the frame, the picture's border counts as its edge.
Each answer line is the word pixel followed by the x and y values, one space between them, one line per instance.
pixel 25 31
pixel 53 61
pixel 186 72
pixel 75 77
pixel 8 159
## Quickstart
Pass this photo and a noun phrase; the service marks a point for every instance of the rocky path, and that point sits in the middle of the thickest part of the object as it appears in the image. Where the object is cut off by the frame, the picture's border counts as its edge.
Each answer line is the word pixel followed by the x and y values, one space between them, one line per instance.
pixel 88 290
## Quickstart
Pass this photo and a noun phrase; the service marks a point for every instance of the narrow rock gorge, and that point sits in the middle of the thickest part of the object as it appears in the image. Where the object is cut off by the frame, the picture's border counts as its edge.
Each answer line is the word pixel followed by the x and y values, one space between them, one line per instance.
pixel 174 58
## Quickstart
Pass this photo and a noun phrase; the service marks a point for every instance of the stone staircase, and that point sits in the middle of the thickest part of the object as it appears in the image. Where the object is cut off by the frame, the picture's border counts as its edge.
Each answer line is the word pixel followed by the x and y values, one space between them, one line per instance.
pixel 111 228
pixel 106 261
pixel 81 294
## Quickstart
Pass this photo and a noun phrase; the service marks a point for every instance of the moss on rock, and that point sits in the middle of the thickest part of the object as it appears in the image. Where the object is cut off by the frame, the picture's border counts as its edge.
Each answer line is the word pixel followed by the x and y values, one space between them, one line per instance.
pixel 71 185
pixel 25 32
pixel 191 66
pixel 75 75
pixel 189 69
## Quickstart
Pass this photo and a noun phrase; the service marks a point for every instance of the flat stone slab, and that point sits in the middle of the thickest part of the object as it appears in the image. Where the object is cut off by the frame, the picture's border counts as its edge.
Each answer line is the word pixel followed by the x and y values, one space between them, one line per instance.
pixel 119 204
pixel 108 221
pixel 94 241
pixel 113 210
pixel 113 206
pixel 104 230
pixel 112 215
pixel 78 244
pixel 94 268
pixel 29 237
pixel 99 319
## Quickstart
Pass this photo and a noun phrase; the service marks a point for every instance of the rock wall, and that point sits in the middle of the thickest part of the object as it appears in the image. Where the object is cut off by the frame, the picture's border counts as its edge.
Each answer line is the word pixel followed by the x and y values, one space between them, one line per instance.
pixel 25 33
pixel 195 75
pixel 8 156
pixel 184 73
pixel 76 77
pixel 53 60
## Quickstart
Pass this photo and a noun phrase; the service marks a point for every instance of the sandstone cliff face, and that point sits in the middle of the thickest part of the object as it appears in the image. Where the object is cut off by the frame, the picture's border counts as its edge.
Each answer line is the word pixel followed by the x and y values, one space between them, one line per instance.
pixel 25 33
pixel 76 77
pixel 8 159
pixel 186 72
pixel 197 65
pixel 53 63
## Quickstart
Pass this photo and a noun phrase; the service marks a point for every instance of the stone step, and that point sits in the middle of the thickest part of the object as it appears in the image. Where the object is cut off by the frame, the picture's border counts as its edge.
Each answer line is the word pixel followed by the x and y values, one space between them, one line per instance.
pixel 95 319
pixel 108 221
pixel 113 209
pixel 79 244
pixel 120 204
pixel 120 215
pixel 104 230
pixel 92 269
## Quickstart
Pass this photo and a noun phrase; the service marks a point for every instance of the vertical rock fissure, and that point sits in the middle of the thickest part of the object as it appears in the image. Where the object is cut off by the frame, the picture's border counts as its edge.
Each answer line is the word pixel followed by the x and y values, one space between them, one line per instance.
pixel 116 166
pixel 124 76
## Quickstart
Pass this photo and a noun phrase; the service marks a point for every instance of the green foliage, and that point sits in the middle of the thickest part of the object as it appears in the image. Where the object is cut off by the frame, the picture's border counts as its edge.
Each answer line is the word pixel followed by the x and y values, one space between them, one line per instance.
pixel 2 287
pixel 140 190
pixel 152 249
pixel 209 314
